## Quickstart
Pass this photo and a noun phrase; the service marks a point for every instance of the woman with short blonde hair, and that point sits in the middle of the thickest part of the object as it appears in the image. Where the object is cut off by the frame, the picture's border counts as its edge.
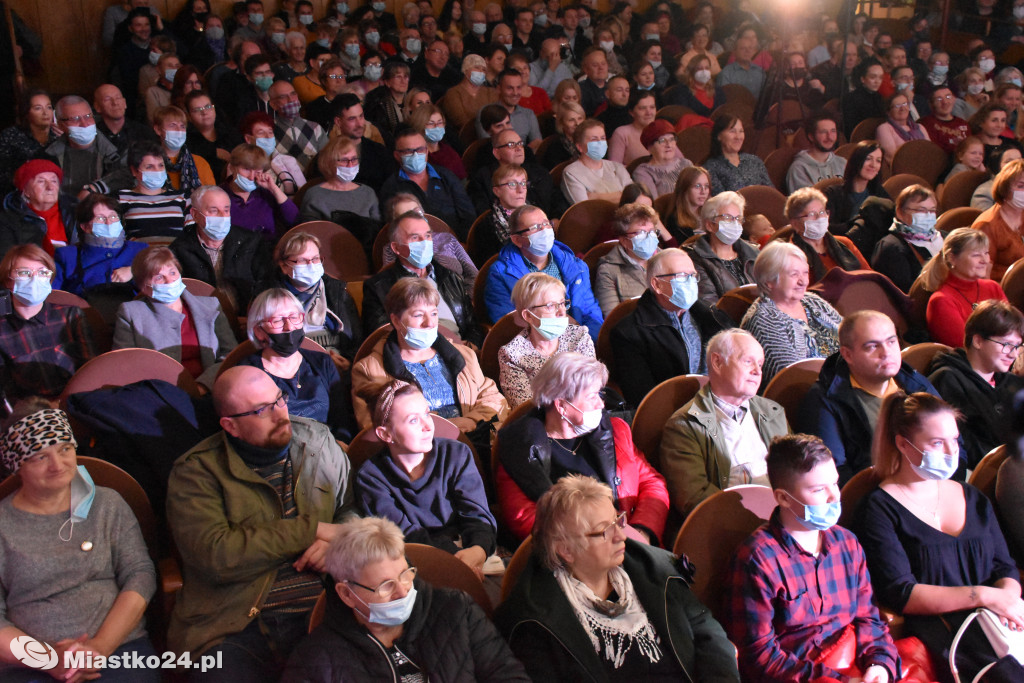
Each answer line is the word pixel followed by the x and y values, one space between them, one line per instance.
pixel 258 203
pixel 338 161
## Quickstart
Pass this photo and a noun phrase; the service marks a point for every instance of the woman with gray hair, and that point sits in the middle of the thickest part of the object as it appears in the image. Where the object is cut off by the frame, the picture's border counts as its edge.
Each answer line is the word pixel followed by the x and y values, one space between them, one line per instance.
pixel 723 260
pixel 382 623
pixel 470 95
pixel 592 604
pixel 807 214
pixel 569 433
pixel 540 309
pixel 790 323
pixel 308 379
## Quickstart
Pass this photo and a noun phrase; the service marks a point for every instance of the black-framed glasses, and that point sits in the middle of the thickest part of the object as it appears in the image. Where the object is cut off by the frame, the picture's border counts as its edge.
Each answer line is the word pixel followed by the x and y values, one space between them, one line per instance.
pixel 1005 347
pixel 608 531
pixel 387 588
pixel 280 402
pixel 511 145
pixel 553 306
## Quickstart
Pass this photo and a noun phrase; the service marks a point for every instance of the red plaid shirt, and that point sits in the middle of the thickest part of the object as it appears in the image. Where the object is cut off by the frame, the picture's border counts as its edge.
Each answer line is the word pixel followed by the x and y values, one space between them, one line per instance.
pixel 39 355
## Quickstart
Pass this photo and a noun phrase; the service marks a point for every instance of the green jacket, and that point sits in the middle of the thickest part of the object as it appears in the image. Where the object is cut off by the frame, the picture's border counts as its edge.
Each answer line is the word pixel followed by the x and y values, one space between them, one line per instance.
pixel 694 459
pixel 226 522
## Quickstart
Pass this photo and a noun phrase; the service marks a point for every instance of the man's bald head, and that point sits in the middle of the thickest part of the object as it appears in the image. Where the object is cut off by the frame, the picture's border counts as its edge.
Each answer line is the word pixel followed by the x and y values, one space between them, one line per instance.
pixel 234 390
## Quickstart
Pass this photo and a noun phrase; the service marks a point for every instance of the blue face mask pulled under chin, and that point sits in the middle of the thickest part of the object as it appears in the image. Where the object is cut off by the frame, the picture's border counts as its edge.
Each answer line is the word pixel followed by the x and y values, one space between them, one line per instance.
pixel 83 493
pixel 818 517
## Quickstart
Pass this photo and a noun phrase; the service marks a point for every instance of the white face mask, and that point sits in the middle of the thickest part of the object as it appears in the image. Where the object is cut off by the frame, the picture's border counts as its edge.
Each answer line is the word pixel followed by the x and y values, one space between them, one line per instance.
pixel 815 228
pixel 607 45
pixel 729 231
pixel 1017 200
pixel 702 76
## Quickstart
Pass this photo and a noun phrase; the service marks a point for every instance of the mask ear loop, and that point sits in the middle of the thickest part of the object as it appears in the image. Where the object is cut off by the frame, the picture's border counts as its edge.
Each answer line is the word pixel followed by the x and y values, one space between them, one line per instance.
pixel 60 532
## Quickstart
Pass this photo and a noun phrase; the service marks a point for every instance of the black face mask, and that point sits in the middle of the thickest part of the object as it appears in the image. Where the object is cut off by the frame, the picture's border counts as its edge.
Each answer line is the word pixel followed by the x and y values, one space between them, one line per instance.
pixel 285 343
pixel 200 16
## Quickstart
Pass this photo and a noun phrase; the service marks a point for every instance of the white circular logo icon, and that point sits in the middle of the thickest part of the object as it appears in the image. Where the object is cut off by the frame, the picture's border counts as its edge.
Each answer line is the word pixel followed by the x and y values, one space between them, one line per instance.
pixel 33 653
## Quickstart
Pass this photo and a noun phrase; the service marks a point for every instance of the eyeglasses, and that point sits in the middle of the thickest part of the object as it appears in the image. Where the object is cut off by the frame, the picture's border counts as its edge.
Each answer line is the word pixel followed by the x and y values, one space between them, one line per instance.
pixel 666 139
pixel 940 98
pixel 903 105
pixel 701 186
pixel 511 145
pixel 726 217
pixel 280 402
pixel 348 161
pixel 277 324
pixel 513 184
pixel 407 152
pixel 205 107
pixel 305 261
pixel 23 274
pixel 553 306
pixel 83 119
pixel 608 531
pixel 534 228
pixel 685 277
pixel 106 220
pixel 387 588
pixel 814 215
pixel 336 77
pixel 1005 347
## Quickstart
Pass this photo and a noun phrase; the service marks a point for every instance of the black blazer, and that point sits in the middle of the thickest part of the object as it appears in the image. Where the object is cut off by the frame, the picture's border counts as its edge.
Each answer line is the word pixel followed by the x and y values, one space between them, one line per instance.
pixel 246 258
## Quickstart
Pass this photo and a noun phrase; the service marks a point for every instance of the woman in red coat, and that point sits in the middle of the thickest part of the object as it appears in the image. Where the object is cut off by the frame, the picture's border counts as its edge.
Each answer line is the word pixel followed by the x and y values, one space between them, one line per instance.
pixel 569 433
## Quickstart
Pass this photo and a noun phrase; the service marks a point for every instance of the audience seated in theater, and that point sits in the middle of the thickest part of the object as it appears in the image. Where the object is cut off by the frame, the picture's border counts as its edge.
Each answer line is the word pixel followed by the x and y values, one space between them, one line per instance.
pixel 691 192
pixel 436 630
pixel 523 120
pixel 448 251
pixel 615 112
pixel 438 190
pixel 159 93
pixel 1002 221
pixel 1010 481
pixel 972 95
pixel 598 604
pixel 742 70
pixel 186 171
pixel 190 329
pixel 899 126
pixel 89 160
pixel 912 239
pixel 412 240
pixel 729 168
pixel 864 101
pixel 666 335
pixel 790 323
pixel 721 436
pixel 151 208
pixel 258 129
pixel 531 248
pixel 510 185
pixel 531 97
pixel 242 547
pixel 982 198
pixel 295 135
pixel 622 272
pixel 934 548
pixel 843 405
pixel 33 133
pixel 470 95
pixel 805 210
pixel 969 155
pixel 429 486
pixel 989 124
pixel 778 633
pixel 449 374
pixel 37 211
pixel 819 162
pixel 245 91
pixel 339 164
pixel 699 90
pixel 568 432
pixel 957 278
pixel 724 261
pixel 549 69
pixel 541 310
pixel 861 181
pixel 41 343
pixel 567 117
pixel 258 204
pixel 218 252
pixel 507 147
pixel 103 256
pixel 53 592
pixel 332 78
pixel 660 174
pixel 384 104
pixel 308 379
pixel 976 378
pixel 944 129
pixel 208 135
pixel 428 121
pixel 592 176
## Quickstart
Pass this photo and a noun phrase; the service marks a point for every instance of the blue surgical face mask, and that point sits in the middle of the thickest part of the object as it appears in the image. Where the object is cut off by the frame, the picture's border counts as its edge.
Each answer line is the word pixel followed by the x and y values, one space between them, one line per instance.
pixel 168 293
pixel 352 50
pixel 900 87
pixel 33 291
pixel 217 227
pixel 420 337
pixel 940 69
pixel 82 135
pixel 342 7
pixel 154 57
pixel 169 74
pixel 1016 82
pixel 373 72
pixel 541 242
pixel 394 613
pixel 263 83
pixel 479 29
pixel 596 149
pixel 154 180
pixel 175 139
pixel 324 42
pixel 684 292
pixel 379 7
pixel 107 230
pixel 372 38
pixel 645 246
pixel 244 184
pixel 923 221
pixel 308 274
pixel 653 36
pixel 654 65
pixel 215 33
pixel 83 493
pixel 820 517
pixel 278 38
pixel 306 20
pixel 256 18
pixel 645 87
pixel 935 465
pixel 477 77
pixel 421 253
pixel 550 328
pixel 413 46
pixel 414 163
pixel 268 145
pixel 434 134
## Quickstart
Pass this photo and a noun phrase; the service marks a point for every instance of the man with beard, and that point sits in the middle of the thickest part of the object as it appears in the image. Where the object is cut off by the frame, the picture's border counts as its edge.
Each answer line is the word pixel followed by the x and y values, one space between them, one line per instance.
pixel 813 165
pixel 253 509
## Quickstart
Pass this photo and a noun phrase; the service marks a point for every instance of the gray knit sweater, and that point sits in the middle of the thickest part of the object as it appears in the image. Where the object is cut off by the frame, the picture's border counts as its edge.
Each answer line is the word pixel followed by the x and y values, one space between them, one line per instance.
pixel 53 589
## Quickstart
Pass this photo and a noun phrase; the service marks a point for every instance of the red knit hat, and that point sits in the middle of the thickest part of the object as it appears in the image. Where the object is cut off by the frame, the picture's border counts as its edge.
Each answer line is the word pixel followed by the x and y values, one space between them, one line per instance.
pixel 654 130
pixel 30 169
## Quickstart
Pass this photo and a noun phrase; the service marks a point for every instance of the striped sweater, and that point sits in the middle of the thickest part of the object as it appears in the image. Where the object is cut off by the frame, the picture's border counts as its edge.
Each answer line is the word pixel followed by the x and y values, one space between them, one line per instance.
pixel 163 214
